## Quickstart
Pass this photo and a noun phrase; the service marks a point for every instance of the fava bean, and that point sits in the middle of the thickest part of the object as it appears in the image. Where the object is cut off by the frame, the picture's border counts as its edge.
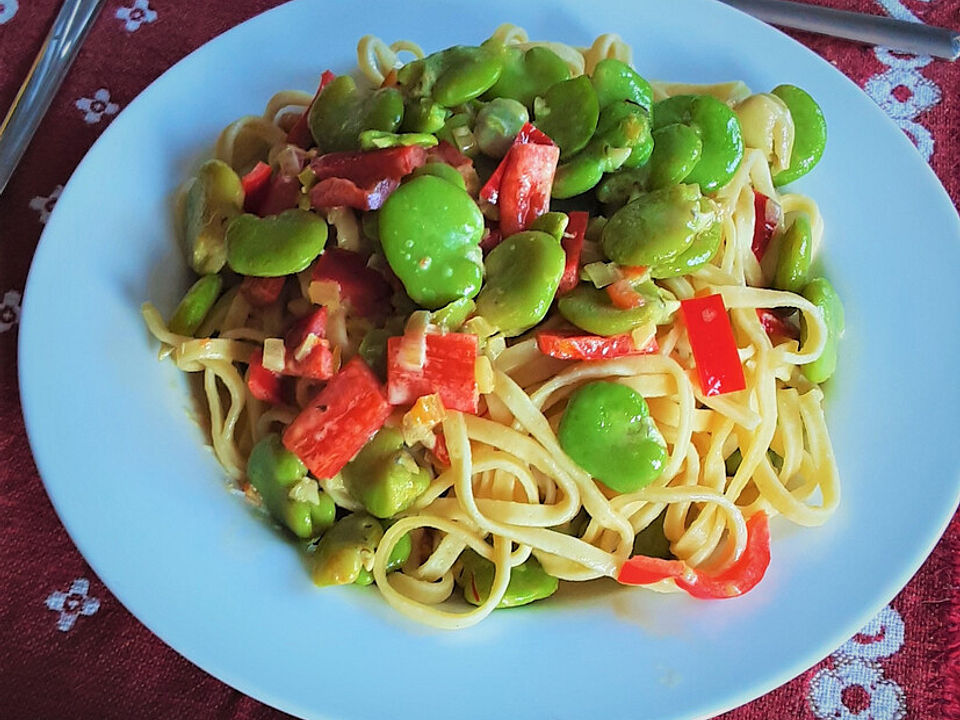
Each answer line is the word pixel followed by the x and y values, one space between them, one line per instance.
pixel 384 476
pixel 497 124
pixel 719 131
pixel 195 305
pixel 676 151
pixel 450 317
pixel 552 223
pixel 528 581
pixel 273 471
pixel 275 245
pixel 444 171
pixel 590 309
pixel 657 227
pixel 607 430
pixel 615 80
pixel 346 550
pixel 523 274
pixel 430 231
pixel 796 256
pixel 810 133
pixel 585 169
pixel 526 74
pixel 623 124
pixel 341 112
pixel 423 115
pixel 701 251
pixel 821 293
pixel 214 198
pixel 568 112
pixel 451 77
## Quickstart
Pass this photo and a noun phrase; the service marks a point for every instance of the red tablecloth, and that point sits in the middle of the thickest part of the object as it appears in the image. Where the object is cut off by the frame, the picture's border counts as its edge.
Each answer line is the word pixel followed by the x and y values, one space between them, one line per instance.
pixel 69 649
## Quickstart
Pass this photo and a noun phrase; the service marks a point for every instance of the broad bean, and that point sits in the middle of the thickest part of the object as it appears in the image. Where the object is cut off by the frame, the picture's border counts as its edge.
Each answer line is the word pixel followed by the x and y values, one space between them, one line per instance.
pixel 796 256
pixel 676 151
pixel 523 273
pixel 821 293
pixel 701 251
pixel 342 112
pixel 275 245
pixel 379 139
pixel 195 305
pixel 384 476
pixel 273 471
pixel 719 131
pixel 590 309
pixel 623 124
pixel 430 231
pixel 552 223
pixel 607 430
pixel 526 74
pixel 528 581
pixel 810 133
pixel 453 76
pixel 346 550
pixel 423 115
pixel 657 227
pixel 497 124
pixel 444 171
pixel 450 317
pixel 615 80
pixel 585 169
pixel 568 112
pixel 214 198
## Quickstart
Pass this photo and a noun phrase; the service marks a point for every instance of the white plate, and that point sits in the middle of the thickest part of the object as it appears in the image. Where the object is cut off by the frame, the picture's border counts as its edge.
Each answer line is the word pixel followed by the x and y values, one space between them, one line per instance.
pixel 145 501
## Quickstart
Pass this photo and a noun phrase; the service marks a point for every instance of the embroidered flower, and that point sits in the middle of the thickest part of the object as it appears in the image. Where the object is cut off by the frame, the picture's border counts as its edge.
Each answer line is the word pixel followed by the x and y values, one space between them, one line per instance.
pixel 72 604
pixel 879 638
pixel 856 690
pixel 136 15
pixel 9 310
pixel 44 205
pixel 96 107
pixel 8 8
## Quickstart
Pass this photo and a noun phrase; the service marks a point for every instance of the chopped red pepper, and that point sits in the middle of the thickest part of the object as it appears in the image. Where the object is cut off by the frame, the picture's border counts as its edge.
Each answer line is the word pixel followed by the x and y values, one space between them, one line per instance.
pixel 300 132
pixel 264 384
pixel 739 578
pixel 365 291
pixel 622 292
pixel 368 167
pixel 776 326
pixel 446 153
pixel 335 192
pixel 440 452
pixel 767 214
pixel 572 243
pixel 339 421
pixel 449 370
pixel 526 185
pixel 255 185
pixel 714 347
pixel 262 291
pixel 591 347
pixel 529 133
pixel 282 193
pixel 308 352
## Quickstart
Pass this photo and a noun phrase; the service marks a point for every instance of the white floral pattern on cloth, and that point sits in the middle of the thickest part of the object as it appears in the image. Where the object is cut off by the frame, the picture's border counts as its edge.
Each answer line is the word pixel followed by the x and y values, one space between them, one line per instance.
pixel 8 8
pixel 855 688
pixel 901 90
pixel 9 310
pixel 96 107
pixel 72 604
pixel 44 205
pixel 136 15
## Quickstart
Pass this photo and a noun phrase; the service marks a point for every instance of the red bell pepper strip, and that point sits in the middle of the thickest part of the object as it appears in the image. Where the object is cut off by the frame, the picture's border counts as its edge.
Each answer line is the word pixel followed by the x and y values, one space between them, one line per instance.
pixel 339 421
pixel 767 214
pixel 334 192
pixel 529 133
pixel 264 384
pixel 308 356
pixel 572 242
pixel 449 369
pixel 714 347
pixel 262 291
pixel 446 153
pixel 282 193
pixel 526 185
pixel 254 185
pixel 365 291
pixel 739 578
pixel 591 347
pixel 776 326
pixel 368 167
pixel 300 132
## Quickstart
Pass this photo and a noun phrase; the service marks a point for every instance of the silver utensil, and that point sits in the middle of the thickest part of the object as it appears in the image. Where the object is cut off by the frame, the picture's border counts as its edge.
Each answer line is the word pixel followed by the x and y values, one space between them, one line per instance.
pixel 42 82
pixel 870 29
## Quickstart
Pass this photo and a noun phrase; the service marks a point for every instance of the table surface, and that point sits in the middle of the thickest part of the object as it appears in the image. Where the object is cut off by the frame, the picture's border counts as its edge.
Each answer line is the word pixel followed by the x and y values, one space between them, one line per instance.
pixel 67 646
